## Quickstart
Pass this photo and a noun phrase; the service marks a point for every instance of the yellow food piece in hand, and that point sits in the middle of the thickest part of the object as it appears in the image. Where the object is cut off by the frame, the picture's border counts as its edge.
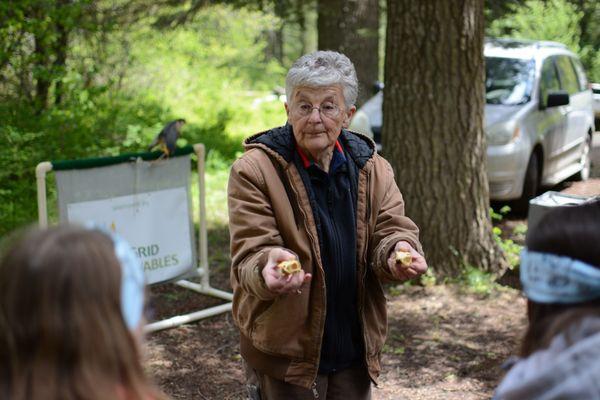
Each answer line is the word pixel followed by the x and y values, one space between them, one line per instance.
pixel 289 267
pixel 404 258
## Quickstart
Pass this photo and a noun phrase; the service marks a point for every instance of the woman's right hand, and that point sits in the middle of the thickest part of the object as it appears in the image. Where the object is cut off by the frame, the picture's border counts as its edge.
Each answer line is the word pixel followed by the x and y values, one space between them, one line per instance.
pixel 279 282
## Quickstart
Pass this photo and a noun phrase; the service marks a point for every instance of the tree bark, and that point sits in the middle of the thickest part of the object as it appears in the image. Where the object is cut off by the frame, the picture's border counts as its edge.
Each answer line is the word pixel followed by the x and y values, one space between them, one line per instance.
pixel 352 28
pixel 433 129
pixel 60 61
pixel 301 21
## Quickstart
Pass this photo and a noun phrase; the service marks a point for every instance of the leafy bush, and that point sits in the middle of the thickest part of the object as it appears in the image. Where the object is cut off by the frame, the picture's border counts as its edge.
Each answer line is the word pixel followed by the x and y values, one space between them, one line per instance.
pixel 121 88
pixel 17 176
pixel 511 249
pixel 28 137
pixel 476 281
pixel 209 72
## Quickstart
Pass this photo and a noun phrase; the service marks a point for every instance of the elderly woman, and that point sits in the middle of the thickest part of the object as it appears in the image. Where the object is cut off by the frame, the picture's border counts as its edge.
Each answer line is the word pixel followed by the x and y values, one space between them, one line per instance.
pixel 313 191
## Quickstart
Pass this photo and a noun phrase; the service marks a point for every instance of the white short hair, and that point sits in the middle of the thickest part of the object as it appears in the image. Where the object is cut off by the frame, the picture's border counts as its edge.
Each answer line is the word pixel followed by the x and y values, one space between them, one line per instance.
pixel 323 68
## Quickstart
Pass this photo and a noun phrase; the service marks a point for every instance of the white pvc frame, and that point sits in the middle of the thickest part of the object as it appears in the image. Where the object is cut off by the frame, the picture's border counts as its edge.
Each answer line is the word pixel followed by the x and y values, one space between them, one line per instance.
pixel 203 268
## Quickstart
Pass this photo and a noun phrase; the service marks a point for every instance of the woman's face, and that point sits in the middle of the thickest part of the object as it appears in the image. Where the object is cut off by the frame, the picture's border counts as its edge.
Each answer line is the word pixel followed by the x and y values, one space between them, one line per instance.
pixel 317 115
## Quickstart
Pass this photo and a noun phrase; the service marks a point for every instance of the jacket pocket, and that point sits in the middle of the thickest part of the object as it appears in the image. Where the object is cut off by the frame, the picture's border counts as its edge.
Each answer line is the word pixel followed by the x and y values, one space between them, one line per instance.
pixel 246 310
pixel 282 328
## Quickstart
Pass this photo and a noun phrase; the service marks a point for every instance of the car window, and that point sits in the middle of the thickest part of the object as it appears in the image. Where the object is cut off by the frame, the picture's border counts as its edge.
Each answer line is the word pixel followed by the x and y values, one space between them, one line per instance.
pixel 508 80
pixel 581 78
pixel 548 81
pixel 567 76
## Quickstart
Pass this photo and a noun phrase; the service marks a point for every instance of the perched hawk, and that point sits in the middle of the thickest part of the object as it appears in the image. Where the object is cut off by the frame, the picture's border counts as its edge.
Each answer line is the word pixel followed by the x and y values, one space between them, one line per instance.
pixel 167 137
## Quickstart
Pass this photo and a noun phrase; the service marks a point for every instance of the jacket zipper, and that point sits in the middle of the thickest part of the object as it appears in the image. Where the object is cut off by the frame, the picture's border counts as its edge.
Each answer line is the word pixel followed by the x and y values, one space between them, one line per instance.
pixel 365 266
pixel 316 269
pixel 314 389
pixel 367 216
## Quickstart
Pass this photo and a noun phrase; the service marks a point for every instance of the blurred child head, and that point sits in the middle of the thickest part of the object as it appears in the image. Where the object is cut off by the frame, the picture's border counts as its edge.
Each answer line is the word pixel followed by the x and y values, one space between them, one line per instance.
pixel 71 300
pixel 560 272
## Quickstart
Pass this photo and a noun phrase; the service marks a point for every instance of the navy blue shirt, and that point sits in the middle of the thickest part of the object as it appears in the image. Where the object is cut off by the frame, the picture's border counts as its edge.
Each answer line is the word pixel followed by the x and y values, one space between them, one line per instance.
pixel 332 200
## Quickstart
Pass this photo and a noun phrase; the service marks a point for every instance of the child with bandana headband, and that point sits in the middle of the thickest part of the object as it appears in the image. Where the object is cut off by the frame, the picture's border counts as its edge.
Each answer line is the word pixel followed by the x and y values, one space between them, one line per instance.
pixel 71 317
pixel 560 274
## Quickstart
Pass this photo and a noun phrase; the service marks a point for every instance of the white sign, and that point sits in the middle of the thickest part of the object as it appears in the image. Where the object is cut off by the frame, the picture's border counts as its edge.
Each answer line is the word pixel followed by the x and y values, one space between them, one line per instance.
pixel 155 223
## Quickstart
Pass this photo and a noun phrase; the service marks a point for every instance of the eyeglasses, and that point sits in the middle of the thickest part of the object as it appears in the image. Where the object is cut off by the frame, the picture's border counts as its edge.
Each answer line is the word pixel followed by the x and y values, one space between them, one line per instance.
pixel 329 110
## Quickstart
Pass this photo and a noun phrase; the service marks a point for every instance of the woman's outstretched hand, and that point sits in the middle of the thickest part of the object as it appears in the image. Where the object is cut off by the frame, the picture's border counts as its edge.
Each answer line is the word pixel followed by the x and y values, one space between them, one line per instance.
pixel 277 280
pixel 412 269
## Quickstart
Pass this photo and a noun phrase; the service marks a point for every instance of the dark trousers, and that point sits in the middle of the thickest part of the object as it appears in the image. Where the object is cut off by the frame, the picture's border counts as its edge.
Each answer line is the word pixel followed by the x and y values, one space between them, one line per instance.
pixel 348 384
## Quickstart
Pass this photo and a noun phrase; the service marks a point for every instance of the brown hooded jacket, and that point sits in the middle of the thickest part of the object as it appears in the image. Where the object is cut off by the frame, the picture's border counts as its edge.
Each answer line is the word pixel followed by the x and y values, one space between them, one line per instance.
pixel 269 207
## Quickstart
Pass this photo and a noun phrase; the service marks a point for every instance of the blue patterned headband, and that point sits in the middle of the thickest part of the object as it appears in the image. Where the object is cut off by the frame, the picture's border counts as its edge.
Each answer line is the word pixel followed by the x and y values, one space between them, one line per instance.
pixel 549 278
pixel 133 282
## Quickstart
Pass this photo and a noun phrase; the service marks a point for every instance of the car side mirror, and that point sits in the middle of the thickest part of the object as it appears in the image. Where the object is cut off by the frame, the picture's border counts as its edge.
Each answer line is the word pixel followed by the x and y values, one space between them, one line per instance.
pixel 558 98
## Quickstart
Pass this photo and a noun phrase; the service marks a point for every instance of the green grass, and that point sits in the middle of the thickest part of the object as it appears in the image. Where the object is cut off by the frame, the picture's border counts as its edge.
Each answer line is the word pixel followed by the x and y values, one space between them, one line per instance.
pixel 215 185
pixel 216 197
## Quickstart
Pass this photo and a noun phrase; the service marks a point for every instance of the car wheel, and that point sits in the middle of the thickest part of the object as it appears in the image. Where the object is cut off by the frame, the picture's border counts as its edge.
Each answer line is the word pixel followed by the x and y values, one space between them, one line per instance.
pixel 530 185
pixel 585 161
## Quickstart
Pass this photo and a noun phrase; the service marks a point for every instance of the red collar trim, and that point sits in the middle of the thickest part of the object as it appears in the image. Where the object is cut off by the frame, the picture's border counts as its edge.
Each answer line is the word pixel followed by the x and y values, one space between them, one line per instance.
pixel 306 162
pixel 339 146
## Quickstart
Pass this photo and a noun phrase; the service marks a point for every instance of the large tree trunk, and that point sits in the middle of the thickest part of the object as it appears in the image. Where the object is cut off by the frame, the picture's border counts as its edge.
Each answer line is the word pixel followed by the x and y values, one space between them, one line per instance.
pixel 433 129
pixel 301 21
pixel 352 28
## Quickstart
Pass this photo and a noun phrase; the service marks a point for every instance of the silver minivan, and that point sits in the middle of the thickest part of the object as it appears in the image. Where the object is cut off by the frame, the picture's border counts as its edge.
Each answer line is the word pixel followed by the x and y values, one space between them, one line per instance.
pixel 538 117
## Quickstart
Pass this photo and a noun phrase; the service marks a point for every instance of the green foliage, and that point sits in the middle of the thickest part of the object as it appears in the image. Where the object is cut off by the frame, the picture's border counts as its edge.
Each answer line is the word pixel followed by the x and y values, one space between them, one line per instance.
pixel 91 128
pixel 120 86
pixel 217 175
pixel 512 250
pixel 35 44
pixel 557 20
pixel 215 68
pixel 428 278
pixel 592 61
pixel 393 350
pixel 18 181
pixel 470 279
pixel 476 281
pixel 543 20
pixel 394 343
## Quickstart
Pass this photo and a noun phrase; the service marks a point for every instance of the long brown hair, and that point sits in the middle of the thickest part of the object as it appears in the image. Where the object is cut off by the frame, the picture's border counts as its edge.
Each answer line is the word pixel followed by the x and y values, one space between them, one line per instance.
pixel 62 334
pixel 572 231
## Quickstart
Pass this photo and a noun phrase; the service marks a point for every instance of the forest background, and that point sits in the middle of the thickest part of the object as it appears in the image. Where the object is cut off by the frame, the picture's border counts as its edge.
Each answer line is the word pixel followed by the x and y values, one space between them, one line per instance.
pixel 88 78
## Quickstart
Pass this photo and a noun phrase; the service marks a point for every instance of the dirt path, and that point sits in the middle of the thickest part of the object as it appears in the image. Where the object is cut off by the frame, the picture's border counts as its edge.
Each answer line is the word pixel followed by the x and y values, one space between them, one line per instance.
pixel 447 344
pixel 443 342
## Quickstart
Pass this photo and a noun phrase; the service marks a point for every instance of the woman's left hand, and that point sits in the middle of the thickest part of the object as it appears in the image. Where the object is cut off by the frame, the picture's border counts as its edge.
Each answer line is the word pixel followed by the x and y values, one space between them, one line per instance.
pixel 402 272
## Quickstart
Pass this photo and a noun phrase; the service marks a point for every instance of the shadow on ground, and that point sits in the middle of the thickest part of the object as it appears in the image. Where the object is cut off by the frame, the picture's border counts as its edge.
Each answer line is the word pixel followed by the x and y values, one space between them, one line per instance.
pixel 443 342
